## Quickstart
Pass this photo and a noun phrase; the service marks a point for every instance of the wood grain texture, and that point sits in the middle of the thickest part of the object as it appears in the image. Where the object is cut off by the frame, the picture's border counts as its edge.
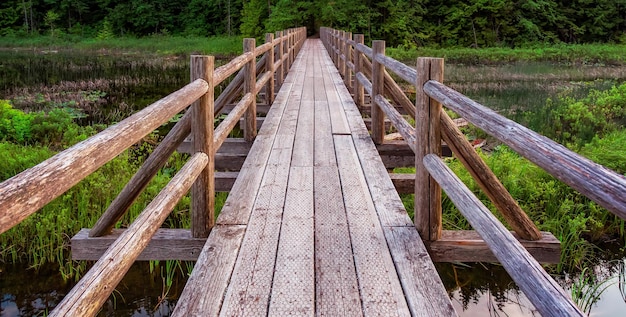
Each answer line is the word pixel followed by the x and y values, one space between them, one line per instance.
pixel 142 177
pixel 337 290
pixel 425 293
pixel 249 86
pixel 543 292
pixel 487 180
pixel 211 273
pixel 378 88
pixel 427 111
pixel 32 189
pixel 381 293
pixel 293 288
pixel 166 244
pixel 595 181
pixel 468 246
pixel 358 64
pixel 269 38
pixel 226 126
pixel 203 190
pixel 388 204
pixel 86 298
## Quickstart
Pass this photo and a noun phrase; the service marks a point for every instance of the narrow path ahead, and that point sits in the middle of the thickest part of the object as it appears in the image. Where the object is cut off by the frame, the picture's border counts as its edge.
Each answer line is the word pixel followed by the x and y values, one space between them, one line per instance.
pixel 313 224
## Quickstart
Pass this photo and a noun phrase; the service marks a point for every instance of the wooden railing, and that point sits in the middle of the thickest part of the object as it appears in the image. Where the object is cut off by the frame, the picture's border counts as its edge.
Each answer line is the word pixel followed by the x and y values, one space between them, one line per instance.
pixel 27 192
pixel 364 69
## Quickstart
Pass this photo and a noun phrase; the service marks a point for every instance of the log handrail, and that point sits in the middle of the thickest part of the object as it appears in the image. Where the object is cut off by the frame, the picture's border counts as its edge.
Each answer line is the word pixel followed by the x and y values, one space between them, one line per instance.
pixel 30 190
pixel 540 288
pixel 600 184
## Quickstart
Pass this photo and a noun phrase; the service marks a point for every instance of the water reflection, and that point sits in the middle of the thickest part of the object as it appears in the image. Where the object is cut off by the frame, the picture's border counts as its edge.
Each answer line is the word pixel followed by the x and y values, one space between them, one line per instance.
pixel 25 292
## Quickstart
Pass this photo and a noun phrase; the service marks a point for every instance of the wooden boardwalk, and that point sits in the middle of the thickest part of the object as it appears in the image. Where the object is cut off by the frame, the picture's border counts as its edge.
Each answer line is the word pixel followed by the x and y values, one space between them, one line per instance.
pixel 313 224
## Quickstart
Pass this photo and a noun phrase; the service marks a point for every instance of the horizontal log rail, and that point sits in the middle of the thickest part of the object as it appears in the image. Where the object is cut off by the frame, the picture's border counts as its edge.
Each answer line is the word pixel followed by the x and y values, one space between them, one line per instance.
pixel 86 298
pixel 541 289
pixel 600 184
pixel 29 191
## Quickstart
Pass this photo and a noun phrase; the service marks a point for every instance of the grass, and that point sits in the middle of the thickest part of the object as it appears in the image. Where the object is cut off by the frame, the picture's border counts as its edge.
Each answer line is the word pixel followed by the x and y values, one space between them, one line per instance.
pixel 160 44
pixel 579 54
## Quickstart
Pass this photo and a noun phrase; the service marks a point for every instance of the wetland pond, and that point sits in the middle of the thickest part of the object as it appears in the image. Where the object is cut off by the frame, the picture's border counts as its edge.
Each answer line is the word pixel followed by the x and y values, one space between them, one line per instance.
pixel 103 88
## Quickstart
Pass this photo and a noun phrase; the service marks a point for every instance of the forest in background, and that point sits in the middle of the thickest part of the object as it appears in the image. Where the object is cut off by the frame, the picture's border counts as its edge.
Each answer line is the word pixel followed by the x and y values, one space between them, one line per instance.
pixel 402 23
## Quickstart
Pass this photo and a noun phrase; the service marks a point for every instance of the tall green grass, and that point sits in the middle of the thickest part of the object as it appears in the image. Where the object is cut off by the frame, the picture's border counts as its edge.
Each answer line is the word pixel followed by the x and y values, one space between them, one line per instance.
pixel 161 44
pixel 583 54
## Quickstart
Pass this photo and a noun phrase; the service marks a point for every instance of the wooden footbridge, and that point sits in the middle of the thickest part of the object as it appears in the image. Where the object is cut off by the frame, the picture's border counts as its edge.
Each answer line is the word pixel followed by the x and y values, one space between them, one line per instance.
pixel 313 224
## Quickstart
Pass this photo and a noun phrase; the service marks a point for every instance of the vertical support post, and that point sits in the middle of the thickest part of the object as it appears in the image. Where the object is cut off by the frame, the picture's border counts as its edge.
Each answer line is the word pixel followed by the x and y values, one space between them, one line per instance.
pixel 279 70
pixel 203 189
pixel 378 86
pixel 335 48
pixel 428 132
pixel 286 64
pixel 290 52
pixel 342 51
pixel 349 60
pixel 358 64
pixel 269 62
pixel 249 85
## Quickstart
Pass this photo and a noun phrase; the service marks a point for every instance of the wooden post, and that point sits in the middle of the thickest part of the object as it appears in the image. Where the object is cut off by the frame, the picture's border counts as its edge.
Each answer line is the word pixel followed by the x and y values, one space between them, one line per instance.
pixel 428 141
pixel 286 52
pixel 279 56
pixel 348 52
pixel 358 64
pixel 249 86
pixel 269 62
pixel 203 189
pixel 378 86
pixel 342 51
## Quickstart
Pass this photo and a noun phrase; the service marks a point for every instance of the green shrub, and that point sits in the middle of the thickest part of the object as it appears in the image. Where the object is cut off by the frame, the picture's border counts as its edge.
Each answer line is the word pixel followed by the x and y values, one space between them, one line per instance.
pixel 15 125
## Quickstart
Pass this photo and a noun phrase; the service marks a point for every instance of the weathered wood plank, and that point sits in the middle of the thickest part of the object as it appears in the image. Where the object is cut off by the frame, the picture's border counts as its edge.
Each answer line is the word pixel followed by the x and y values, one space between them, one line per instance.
pixel 468 246
pixel 324 153
pixel 387 202
pixel 293 289
pixel 251 283
pixel 381 293
pixel 422 286
pixel 543 292
pixel 239 203
pixel 166 244
pixel 595 181
pixel 337 291
pixel 249 289
pixel 211 273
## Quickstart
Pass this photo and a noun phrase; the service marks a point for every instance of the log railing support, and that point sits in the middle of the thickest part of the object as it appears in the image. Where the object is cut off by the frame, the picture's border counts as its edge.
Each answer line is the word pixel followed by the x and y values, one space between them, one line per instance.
pixel 269 92
pixel 348 53
pixel 342 52
pixel 427 117
pixel 378 87
pixel 249 83
pixel 358 56
pixel 487 180
pixel 279 56
pixel 203 189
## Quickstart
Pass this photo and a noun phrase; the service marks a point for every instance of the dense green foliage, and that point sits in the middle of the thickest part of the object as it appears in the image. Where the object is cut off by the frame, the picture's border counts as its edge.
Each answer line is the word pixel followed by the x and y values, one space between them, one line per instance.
pixel 410 23
pixel 594 127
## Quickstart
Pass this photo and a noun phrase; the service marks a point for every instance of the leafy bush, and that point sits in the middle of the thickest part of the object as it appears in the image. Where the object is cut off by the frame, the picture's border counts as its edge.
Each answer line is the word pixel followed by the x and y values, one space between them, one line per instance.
pixel 15 125
pixel 576 122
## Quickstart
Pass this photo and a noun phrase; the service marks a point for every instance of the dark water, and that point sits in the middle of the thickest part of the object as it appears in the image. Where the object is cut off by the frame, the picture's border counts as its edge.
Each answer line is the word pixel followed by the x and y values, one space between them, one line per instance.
pixel 105 88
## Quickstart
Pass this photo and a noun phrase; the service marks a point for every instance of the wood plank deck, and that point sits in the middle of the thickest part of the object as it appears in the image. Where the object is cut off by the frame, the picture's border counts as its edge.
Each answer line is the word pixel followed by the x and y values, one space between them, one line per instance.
pixel 313 225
